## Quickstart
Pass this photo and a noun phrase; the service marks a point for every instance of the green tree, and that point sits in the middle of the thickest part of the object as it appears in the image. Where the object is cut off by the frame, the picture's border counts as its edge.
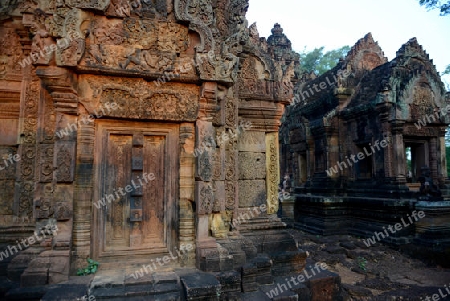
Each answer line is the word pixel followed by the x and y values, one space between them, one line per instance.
pixel 446 82
pixel 447 137
pixel 433 4
pixel 447 156
pixel 319 62
pixel 447 70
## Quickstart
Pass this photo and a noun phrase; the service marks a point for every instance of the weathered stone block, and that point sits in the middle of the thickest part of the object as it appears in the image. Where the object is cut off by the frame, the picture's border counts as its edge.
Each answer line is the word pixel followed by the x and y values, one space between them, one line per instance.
pixel 324 286
pixel 252 193
pixel 204 193
pixel 230 281
pixel 199 284
pixel 67 292
pixel 219 196
pixel 252 141
pixel 252 166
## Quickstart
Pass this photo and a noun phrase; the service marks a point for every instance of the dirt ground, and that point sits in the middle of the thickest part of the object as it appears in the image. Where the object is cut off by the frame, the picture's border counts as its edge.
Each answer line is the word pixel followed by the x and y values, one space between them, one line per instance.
pixel 378 272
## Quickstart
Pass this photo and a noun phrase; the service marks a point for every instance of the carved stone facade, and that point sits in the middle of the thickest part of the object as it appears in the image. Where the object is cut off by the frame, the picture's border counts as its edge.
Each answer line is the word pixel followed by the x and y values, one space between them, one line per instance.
pixel 346 138
pixel 141 127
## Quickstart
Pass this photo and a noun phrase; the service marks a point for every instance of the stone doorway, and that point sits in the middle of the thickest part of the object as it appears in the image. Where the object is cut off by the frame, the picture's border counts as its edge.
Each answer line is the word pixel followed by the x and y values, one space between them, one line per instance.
pixel 136 193
pixel 417 150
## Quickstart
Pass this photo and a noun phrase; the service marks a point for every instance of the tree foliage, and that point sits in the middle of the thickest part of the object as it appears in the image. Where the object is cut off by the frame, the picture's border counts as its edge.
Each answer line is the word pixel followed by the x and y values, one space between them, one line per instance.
pixel 447 156
pixel 433 4
pixel 447 70
pixel 319 62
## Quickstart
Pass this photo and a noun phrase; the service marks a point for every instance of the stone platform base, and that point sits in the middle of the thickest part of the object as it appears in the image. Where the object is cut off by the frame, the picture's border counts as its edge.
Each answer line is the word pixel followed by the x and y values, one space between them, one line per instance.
pixel 367 217
pixel 187 284
pixel 245 267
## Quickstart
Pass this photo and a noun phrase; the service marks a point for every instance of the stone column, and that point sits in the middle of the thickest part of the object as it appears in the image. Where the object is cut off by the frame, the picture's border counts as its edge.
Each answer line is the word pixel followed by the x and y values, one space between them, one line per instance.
pixel 398 149
pixel 205 196
pixel 383 111
pixel 187 184
pixel 434 160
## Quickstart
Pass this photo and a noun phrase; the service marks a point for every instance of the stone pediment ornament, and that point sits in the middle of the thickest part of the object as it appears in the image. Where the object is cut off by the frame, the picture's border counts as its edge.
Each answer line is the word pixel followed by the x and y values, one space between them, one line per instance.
pixel 214 60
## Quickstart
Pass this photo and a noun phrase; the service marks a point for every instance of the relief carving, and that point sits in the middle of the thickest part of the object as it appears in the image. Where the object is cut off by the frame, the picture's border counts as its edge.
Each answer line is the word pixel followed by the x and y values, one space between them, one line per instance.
pixel 64 164
pixel 100 5
pixel 10 53
pixel 6 196
pixel 273 173
pixel 46 162
pixel 206 147
pixel 133 44
pixel 8 163
pixel 204 166
pixel 423 102
pixel 230 193
pixel 231 113
pixel 27 163
pixel 26 194
pixel 205 197
pixel 49 121
pixel 219 197
pixel 62 211
pixel 72 45
pixel 30 113
pixel 43 208
pixel 218 164
pixel 138 100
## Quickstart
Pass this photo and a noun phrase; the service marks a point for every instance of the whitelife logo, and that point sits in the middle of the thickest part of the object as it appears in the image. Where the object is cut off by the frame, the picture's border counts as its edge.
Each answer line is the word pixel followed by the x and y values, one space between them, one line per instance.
pixel 356 158
pixel 152 267
pixel 398 226
pixel 296 280
pixel 11 250
pixel 433 117
pixel 111 197
pixel 88 119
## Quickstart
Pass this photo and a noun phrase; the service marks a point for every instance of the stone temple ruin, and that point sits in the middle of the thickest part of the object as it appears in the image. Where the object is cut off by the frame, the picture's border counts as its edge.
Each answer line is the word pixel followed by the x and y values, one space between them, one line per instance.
pixel 344 142
pixel 148 130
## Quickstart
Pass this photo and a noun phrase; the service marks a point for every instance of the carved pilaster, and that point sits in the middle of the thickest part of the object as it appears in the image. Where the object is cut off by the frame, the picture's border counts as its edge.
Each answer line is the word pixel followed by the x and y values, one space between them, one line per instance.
pixel 83 192
pixel 383 111
pixel 187 184
pixel 434 159
pixel 27 168
pixel 206 171
pixel 272 171
pixel 397 146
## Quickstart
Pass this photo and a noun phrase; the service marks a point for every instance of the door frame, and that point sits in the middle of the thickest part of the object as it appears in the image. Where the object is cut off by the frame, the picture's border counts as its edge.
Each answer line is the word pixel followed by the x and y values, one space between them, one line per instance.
pixel 171 174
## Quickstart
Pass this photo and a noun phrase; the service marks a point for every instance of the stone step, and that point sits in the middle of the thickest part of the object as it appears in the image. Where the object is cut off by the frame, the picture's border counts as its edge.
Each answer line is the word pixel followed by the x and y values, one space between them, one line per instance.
pixel 200 286
pixel 26 293
pixel 120 285
pixel 314 283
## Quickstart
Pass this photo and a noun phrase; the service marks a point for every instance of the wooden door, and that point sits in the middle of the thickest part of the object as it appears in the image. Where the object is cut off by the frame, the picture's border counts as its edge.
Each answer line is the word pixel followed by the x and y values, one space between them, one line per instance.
pixel 136 178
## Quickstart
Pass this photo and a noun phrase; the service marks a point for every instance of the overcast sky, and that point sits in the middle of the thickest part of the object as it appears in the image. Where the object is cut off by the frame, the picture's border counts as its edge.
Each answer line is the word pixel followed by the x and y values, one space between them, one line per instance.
pixel 333 24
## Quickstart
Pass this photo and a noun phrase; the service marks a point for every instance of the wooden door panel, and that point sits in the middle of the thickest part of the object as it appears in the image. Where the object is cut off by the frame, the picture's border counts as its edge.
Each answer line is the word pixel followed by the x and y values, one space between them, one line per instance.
pixel 138 221
pixel 117 176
